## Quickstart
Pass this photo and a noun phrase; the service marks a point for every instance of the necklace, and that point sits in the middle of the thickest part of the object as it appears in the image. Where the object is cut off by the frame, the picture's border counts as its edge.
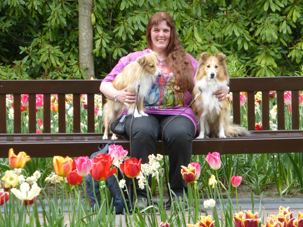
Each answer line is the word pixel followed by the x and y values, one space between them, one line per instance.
pixel 161 62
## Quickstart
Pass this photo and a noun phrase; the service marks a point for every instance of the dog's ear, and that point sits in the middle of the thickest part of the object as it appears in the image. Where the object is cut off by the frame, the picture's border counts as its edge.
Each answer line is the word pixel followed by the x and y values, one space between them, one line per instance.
pixel 141 60
pixel 220 56
pixel 204 56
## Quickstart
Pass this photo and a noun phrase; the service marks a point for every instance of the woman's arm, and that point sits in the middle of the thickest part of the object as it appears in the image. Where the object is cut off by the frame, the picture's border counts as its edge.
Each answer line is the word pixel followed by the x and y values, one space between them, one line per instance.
pixel 222 93
pixel 108 89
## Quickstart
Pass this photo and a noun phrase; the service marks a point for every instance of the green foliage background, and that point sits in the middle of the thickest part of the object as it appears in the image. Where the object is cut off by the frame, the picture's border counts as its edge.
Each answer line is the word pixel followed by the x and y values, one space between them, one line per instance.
pixel 39 38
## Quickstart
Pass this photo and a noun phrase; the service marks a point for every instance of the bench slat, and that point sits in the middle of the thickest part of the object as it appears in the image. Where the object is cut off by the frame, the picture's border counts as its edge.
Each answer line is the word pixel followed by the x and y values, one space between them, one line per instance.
pixel 280 110
pixel 61 113
pixel 251 110
pixel 2 113
pixel 32 113
pixel 236 108
pixel 17 113
pixel 46 113
pixel 295 109
pixel 90 113
pixel 77 113
pixel 265 110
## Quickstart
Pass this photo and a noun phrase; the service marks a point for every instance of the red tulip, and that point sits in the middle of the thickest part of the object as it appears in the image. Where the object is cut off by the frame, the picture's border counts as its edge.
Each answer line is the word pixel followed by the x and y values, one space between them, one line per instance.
pixel 188 173
pixel 131 167
pixel 74 178
pixel 3 197
pixel 272 94
pixel 236 181
pixel 258 126
pixel 214 160
pixel 246 219
pixel 101 167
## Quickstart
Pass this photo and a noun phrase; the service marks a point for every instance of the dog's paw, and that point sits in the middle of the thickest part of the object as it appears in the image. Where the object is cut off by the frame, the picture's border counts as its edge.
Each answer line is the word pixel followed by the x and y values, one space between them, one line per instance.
pixel 105 137
pixel 222 135
pixel 201 136
pixel 114 137
pixel 143 114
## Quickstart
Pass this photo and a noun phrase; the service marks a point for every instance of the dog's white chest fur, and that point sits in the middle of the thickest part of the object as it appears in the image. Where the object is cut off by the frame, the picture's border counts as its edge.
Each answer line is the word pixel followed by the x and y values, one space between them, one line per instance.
pixel 211 105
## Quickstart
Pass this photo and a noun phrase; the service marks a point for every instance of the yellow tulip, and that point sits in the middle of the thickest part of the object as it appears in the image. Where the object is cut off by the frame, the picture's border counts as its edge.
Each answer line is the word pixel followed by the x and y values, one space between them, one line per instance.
pixel 17 161
pixel 62 166
pixel 10 179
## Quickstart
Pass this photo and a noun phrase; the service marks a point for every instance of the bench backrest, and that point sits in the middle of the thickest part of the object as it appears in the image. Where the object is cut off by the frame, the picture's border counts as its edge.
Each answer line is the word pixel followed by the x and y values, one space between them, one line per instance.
pixel 91 87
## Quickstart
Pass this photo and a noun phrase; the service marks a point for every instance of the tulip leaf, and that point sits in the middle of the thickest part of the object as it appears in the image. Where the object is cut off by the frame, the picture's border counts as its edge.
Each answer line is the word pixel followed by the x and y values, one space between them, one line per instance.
pixel 4 166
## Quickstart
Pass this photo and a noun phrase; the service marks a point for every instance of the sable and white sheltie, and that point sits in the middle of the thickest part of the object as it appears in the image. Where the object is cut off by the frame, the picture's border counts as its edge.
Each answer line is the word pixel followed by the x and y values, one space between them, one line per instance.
pixel 143 72
pixel 213 115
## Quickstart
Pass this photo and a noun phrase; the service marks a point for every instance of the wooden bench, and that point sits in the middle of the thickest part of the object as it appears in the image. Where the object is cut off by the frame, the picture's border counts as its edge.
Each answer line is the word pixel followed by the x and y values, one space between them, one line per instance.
pixel 77 144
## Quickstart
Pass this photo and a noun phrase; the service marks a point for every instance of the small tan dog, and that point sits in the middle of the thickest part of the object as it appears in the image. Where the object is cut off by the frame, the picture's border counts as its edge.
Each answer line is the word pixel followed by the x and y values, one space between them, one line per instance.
pixel 143 72
pixel 213 115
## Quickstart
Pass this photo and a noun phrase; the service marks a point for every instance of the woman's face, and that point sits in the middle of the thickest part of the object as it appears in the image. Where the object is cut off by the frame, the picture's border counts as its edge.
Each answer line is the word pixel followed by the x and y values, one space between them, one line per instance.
pixel 160 36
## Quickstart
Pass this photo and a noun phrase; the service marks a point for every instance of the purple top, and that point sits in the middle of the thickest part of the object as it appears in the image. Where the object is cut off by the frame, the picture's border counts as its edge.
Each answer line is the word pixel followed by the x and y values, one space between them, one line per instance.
pixel 164 97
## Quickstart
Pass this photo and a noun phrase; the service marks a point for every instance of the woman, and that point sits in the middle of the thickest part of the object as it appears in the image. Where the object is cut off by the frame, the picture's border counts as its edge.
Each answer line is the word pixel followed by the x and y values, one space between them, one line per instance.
pixel 169 96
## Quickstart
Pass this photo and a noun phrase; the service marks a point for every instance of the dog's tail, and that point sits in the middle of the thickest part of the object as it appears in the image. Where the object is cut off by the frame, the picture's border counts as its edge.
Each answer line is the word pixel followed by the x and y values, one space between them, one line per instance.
pixel 234 130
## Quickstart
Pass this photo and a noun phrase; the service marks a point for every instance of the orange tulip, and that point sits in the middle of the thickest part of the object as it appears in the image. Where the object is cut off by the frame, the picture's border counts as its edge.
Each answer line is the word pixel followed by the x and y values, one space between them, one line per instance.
pixel 62 166
pixel 54 107
pixel 17 161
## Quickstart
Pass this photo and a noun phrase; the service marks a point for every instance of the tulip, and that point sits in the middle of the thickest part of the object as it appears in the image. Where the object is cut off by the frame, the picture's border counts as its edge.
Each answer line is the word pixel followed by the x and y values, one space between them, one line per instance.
pixel 39 101
pixel 204 222
pixel 246 219
pixel 242 100
pixel 272 94
pixel 258 126
pixel 214 160
pixel 74 178
pixel 197 166
pixel 287 98
pixel 96 111
pixel 54 107
pixel 17 161
pixel 25 100
pixel 38 131
pixel 164 224
pixel 3 197
pixel 188 173
pixel 100 170
pixel 40 122
pixel 236 181
pixel 299 221
pixel 62 166
pixel 83 165
pixel 300 100
pixel 27 193
pixel 117 152
pixel 131 167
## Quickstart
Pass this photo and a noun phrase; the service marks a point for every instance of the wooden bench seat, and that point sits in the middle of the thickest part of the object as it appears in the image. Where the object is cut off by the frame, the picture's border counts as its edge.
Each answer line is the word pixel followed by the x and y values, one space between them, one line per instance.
pixel 77 144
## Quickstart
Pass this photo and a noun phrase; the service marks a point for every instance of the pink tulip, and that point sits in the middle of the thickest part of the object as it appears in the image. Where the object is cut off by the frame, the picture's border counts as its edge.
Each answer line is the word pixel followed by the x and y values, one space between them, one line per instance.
pixel 300 100
pixel 117 152
pixel 214 160
pixel 242 100
pixel 25 100
pixel 38 131
pixel 236 181
pixel 40 122
pixel 287 98
pixel 197 166
pixel 96 111
pixel 39 101
pixel 83 165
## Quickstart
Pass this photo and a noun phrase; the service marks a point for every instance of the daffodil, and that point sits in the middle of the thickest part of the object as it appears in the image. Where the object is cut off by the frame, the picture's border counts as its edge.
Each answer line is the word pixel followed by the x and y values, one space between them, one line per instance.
pixel 11 179
pixel 212 181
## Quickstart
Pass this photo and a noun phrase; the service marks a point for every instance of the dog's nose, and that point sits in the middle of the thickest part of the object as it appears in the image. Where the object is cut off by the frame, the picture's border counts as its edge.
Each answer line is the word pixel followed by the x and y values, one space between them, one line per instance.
pixel 212 75
pixel 158 74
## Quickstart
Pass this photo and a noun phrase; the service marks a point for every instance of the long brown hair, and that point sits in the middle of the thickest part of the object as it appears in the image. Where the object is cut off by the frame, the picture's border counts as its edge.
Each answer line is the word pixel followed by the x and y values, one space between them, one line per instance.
pixel 176 59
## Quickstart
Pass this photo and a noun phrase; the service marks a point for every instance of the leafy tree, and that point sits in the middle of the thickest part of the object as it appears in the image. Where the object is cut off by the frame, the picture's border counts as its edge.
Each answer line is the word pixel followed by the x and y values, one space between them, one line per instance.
pixel 39 38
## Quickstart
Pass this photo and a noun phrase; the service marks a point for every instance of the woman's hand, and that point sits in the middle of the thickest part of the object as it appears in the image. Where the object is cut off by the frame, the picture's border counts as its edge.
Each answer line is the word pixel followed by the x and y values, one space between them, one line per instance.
pixel 126 97
pixel 222 93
